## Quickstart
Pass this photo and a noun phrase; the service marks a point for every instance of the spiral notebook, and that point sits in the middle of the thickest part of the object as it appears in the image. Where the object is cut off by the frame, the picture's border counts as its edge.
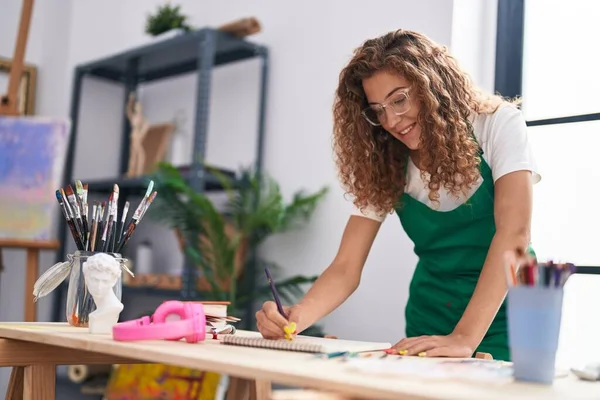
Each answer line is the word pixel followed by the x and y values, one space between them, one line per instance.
pixel 306 344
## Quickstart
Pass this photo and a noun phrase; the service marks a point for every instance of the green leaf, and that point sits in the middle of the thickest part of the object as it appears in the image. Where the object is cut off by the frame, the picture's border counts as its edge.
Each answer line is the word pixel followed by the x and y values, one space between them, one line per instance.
pixel 167 17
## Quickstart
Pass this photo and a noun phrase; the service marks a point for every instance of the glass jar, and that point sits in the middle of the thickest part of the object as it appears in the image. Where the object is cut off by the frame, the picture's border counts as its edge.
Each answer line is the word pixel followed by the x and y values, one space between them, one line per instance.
pixel 79 302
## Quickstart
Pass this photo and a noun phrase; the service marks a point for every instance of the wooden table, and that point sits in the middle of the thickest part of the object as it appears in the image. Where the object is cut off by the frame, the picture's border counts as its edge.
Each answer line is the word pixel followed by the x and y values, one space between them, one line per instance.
pixel 39 347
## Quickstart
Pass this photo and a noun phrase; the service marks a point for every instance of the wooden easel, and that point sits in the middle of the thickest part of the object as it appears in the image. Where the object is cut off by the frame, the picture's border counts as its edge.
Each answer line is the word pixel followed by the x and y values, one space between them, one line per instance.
pixel 8 102
pixel 33 248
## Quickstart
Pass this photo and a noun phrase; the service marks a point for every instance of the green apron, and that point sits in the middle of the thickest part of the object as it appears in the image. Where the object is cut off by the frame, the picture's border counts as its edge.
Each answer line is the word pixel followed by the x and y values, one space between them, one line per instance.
pixel 452 247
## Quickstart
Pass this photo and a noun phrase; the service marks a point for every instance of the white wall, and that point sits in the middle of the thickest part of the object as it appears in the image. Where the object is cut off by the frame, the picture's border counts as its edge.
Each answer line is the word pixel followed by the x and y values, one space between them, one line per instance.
pixel 310 42
pixel 474 39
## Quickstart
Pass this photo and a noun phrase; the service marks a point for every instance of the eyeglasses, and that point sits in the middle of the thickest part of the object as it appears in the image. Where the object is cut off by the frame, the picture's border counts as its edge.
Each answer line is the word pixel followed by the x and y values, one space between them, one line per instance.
pixel 376 114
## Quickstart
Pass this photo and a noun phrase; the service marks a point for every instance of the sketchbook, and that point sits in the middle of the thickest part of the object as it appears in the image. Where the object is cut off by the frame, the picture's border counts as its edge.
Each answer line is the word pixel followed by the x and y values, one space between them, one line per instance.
pixel 306 344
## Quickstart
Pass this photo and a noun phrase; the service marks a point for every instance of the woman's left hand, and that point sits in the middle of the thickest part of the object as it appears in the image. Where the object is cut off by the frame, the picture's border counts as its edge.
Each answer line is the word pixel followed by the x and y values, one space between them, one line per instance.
pixel 452 345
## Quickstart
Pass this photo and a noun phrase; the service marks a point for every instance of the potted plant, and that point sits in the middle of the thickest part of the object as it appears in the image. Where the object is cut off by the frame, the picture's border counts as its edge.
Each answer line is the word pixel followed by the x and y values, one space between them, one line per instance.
pixel 223 243
pixel 166 18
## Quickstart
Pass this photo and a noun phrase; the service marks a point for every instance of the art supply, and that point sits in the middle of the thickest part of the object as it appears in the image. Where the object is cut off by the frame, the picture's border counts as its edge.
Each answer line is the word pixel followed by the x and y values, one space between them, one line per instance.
pixel 289 330
pixel 306 344
pixel 72 201
pixel 69 220
pixel 137 216
pixel 82 203
pixel 112 219
pixel 274 292
pixel 534 311
pixel 121 224
pixel 540 274
pixel 80 302
pixel 100 231
pixel 432 369
pixel 94 226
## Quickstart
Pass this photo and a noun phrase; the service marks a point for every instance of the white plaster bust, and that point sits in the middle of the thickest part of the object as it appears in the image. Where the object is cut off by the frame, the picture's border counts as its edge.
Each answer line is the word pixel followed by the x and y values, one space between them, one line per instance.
pixel 101 272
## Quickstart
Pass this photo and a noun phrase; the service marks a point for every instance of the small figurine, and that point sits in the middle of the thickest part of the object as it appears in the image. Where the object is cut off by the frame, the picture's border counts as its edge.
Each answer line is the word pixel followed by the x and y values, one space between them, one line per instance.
pixel 101 272
pixel 139 129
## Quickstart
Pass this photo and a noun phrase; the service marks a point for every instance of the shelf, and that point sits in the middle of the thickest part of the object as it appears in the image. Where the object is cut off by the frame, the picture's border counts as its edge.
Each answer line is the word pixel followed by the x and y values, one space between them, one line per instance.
pixel 197 52
pixel 171 57
pixel 138 185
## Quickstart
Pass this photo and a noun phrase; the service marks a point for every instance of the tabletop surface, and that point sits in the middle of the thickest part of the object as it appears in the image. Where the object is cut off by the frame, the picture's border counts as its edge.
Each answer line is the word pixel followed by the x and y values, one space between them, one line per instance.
pixel 293 368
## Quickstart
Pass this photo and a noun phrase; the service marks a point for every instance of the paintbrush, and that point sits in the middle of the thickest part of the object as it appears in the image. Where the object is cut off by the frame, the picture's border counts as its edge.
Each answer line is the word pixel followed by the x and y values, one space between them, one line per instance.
pixel 83 206
pixel 69 220
pixel 102 246
pixel 77 212
pixel 143 207
pixel 79 200
pixel 101 223
pixel 113 219
pixel 94 226
pixel 71 214
pixel 136 215
pixel 147 205
pixel 121 224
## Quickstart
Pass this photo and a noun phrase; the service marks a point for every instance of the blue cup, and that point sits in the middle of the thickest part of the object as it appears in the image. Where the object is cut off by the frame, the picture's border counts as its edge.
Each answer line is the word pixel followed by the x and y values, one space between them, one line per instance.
pixel 534 317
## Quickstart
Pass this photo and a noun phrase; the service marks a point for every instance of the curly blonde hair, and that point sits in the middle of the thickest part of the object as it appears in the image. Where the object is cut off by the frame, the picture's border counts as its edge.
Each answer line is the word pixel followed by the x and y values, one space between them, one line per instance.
pixel 371 164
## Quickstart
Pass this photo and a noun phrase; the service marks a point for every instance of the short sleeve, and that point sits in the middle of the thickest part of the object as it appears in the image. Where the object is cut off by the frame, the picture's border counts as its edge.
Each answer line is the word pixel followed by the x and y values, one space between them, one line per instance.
pixel 509 145
pixel 369 212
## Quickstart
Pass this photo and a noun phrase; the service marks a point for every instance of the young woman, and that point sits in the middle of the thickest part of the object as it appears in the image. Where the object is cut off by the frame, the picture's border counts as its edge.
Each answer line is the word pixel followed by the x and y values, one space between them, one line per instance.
pixel 414 136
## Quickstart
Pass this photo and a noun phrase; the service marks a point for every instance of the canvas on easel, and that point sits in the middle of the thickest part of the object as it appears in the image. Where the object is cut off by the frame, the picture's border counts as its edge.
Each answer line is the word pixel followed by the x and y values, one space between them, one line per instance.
pixel 32 153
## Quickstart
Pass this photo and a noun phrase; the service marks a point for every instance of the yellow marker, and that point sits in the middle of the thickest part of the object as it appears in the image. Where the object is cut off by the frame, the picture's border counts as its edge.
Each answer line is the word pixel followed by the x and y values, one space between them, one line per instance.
pixel 422 354
pixel 402 352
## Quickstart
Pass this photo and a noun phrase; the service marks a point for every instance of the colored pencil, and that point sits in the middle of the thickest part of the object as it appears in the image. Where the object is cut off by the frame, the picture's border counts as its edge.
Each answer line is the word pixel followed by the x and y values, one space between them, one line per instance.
pixel 542 274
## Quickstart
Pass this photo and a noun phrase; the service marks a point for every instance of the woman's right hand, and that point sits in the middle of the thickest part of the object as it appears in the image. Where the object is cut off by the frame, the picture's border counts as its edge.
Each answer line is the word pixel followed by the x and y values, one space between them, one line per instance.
pixel 271 323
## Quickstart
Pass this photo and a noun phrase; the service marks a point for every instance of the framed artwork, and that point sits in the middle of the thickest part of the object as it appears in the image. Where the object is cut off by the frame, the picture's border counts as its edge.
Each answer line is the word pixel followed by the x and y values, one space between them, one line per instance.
pixel 27 86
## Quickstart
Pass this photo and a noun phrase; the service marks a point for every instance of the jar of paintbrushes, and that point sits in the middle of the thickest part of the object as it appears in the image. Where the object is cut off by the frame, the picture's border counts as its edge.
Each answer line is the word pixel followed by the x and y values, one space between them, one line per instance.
pixel 106 230
pixel 80 303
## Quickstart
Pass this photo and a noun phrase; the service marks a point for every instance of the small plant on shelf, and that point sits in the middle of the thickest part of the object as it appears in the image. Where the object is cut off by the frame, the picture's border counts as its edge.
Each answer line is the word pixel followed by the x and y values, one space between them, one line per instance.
pixel 166 18
pixel 223 243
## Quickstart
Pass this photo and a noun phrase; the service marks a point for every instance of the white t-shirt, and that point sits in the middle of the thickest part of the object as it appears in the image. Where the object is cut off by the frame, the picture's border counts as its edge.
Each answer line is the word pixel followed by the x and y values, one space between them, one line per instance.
pixel 506 148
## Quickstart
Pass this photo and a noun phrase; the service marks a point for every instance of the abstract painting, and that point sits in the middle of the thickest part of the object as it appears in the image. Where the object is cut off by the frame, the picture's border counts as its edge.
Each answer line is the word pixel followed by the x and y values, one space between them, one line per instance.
pixel 32 154
pixel 158 381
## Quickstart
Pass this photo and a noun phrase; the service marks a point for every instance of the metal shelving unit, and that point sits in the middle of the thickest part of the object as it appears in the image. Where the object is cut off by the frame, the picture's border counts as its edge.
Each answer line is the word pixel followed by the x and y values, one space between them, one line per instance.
pixel 195 52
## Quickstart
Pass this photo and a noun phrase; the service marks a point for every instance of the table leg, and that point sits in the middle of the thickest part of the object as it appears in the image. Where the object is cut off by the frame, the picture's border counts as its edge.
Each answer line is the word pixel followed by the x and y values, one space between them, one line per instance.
pixel 39 382
pixel 248 389
pixel 15 384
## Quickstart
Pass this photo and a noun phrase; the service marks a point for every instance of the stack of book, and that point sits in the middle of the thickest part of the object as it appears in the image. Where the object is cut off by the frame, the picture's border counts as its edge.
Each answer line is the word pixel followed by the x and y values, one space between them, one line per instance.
pixel 216 315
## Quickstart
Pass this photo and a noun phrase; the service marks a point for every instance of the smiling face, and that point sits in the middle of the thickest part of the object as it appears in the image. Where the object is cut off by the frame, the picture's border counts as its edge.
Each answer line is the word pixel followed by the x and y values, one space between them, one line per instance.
pixel 388 95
